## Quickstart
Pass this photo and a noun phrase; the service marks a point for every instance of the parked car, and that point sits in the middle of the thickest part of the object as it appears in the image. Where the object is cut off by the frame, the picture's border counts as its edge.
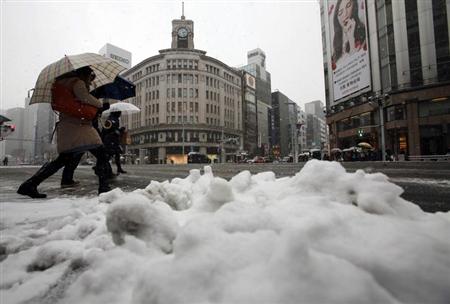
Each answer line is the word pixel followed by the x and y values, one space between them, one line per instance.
pixel 197 158
pixel 256 160
pixel 287 159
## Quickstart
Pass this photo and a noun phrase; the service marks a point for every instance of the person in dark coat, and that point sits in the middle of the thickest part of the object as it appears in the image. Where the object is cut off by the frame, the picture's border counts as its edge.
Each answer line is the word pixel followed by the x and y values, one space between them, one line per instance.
pixel 111 134
pixel 74 136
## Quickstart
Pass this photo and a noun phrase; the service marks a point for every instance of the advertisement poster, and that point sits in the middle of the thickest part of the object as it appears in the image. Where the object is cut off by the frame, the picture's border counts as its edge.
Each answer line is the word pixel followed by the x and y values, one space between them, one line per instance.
pixel 350 61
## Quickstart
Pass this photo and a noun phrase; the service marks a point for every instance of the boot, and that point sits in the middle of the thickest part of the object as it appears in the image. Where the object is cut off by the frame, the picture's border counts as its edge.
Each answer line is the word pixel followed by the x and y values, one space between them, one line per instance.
pixel 69 184
pixel 101 170
pixel 120 170
pixel 29 187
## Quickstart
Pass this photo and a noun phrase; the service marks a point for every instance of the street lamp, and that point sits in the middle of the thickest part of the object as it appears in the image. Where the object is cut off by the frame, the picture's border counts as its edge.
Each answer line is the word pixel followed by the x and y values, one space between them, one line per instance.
pixel 294 135
pixel 380 102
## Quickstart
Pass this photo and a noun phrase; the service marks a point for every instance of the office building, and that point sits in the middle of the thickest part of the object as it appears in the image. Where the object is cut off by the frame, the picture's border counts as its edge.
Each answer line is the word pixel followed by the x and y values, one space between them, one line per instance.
pixel 285 114
pixel 256 66
pixel 390 81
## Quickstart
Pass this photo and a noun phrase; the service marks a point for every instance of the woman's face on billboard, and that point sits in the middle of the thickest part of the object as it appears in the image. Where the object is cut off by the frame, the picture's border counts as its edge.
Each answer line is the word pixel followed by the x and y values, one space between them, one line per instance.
pixel 345 12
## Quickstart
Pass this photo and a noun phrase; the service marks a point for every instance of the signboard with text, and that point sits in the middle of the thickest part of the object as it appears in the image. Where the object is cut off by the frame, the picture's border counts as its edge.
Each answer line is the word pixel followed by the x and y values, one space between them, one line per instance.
pixel 350 60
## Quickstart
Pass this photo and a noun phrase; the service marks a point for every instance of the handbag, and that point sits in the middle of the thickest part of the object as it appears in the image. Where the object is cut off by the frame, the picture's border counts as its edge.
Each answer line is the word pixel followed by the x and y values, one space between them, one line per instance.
pixel 64 101
pixel 125 138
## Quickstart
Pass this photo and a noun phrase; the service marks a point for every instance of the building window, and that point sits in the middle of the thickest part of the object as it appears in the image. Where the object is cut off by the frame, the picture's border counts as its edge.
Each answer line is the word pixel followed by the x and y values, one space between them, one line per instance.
pixel 179 93
pixel 432 108
pixel 412 29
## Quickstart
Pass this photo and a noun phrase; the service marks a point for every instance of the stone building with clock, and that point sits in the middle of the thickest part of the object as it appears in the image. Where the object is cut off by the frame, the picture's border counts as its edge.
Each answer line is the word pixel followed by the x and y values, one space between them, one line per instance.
pixel 189 102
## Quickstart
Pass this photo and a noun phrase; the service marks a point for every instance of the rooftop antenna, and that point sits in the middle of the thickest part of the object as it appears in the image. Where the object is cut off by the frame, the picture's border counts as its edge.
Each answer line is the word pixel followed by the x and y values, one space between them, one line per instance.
pixel 182 10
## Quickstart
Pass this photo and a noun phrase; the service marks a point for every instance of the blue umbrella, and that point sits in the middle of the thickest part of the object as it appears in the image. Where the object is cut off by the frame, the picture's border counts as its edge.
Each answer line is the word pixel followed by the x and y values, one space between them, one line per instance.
pixel 120 89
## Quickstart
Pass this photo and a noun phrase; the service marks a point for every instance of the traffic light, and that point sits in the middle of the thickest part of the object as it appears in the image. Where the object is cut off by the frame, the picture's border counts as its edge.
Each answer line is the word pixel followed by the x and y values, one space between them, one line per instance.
pixel 360 132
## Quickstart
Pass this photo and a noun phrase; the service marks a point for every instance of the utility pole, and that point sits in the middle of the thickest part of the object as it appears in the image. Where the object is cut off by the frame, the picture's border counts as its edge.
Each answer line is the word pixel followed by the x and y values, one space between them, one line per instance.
pixel 383 144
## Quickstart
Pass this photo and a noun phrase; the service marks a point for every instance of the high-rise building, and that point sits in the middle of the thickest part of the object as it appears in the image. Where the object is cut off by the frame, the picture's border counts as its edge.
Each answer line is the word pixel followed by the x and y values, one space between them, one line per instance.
pixel 315 107
pixel 256 66
pixel 249 114
pixel 301 121
pixel 14 142
pixel 285 115
pixel 188 100
pixel 317 131
pixel 388 79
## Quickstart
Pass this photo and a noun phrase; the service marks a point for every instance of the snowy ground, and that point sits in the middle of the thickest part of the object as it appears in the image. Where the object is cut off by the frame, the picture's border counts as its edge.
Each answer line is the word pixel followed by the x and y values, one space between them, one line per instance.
pixel 321 236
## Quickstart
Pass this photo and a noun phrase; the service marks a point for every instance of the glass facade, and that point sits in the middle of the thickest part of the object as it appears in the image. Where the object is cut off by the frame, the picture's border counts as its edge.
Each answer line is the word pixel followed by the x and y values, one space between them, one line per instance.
pixel 441 39
pixel 412 28
pixel 386 45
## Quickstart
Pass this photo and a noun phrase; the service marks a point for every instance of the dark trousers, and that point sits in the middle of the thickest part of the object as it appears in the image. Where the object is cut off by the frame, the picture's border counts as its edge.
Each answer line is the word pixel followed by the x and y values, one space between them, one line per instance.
pixel 117 161
pixel 70 161
pixel 69 167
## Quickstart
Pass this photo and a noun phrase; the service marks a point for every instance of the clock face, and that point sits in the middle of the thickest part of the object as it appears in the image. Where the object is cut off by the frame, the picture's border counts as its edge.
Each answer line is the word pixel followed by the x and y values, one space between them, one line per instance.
pixel 182 32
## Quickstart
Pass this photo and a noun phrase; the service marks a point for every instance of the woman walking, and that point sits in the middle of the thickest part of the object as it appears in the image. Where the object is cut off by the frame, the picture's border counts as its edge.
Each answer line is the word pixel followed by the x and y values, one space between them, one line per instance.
pixel 74 136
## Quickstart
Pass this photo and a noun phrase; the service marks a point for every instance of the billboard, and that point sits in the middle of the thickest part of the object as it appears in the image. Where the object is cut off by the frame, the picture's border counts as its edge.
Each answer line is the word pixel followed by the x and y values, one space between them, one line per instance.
pixel 121 56
pixel 250 81
pixel 350 61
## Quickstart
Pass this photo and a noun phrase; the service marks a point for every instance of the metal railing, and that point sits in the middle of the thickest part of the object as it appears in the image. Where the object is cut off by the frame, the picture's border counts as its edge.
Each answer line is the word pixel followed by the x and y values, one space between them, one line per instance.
pixel 429 157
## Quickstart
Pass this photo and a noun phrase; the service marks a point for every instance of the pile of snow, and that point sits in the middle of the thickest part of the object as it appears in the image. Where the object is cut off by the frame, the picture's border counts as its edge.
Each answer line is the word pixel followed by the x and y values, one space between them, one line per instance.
pixel 321 236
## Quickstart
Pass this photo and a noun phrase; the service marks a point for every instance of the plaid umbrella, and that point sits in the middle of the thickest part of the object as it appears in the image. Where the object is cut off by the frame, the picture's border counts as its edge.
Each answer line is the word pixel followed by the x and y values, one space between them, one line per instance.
pixel 105 70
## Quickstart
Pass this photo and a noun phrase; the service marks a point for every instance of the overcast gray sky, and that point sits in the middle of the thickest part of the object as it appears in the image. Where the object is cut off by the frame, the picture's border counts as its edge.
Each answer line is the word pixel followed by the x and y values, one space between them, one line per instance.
pixel 36 33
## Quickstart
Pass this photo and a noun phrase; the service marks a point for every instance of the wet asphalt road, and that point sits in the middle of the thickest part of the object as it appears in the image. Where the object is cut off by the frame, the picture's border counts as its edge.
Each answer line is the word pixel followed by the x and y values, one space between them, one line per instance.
pixel 425 183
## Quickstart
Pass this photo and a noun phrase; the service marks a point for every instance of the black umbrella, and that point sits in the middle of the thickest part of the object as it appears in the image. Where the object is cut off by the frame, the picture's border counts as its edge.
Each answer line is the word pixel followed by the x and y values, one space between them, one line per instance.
pixel 120 89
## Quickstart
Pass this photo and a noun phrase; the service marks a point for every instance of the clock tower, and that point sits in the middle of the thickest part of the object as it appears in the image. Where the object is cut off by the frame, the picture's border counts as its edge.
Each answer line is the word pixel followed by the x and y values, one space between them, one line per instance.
pixel 182 33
